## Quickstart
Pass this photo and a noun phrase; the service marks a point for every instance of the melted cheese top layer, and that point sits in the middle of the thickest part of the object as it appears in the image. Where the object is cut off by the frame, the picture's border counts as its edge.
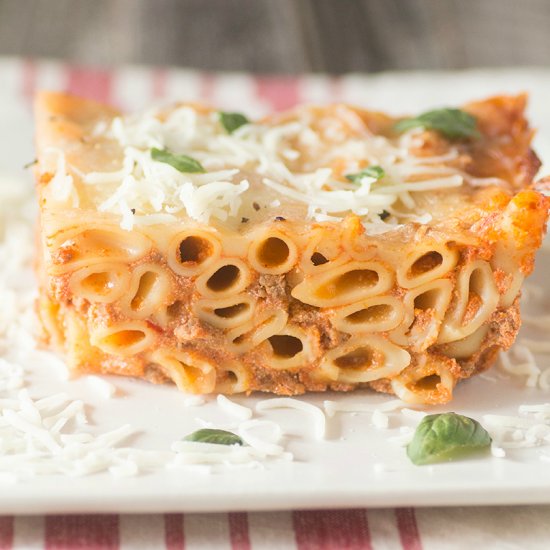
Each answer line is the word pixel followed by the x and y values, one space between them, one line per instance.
pixel 292 165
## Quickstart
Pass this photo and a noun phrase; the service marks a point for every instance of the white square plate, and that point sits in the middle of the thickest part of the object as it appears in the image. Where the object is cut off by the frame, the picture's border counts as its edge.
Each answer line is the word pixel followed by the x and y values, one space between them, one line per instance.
pixel 356 464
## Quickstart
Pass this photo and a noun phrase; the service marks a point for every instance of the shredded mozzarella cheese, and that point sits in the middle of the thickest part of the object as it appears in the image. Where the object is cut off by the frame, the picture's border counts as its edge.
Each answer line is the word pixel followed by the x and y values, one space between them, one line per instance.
pixel 498 452
pixel 332 407
pixel 519 361
pixel 537 346
pixel 105 389
pixel 234 409
pixel 269 447
pixel 291 403
pixel 194 400
pixel 380 420
pixel 412 414
pixel 143 189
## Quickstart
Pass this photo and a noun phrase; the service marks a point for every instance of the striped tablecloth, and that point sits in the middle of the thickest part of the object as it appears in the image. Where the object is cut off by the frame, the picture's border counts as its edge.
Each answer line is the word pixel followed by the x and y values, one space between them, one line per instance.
pixel 387 529
pixel 509 528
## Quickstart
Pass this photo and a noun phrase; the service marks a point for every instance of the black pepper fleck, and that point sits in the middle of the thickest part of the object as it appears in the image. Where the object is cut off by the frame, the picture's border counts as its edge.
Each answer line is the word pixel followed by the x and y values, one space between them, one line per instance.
pixel 279 219
pixel 256 206
pixel 133 210
pixel 384 214
pixel 244 220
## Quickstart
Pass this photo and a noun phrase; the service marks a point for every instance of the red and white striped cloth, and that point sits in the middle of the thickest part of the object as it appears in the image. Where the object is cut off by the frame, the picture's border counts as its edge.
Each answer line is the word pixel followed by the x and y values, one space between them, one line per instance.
pixel 136 87
pixel 387 529
pixel 520 528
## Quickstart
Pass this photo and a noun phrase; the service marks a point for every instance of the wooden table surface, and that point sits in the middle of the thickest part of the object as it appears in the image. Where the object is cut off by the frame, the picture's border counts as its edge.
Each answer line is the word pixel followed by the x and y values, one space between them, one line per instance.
pixel 282 36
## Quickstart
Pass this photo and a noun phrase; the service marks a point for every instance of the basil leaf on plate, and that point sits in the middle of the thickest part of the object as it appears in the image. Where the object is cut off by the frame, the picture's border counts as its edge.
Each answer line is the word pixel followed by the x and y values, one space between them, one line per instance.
pixel 217 437
pixel 376 172
pixel 232 121
pixel 452 123
pixel 445 437
pixel 182 163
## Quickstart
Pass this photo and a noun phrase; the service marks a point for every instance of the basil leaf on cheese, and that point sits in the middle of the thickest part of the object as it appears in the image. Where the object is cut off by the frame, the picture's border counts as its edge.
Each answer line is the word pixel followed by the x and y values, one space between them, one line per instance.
pixel 217 437
pixel 376 172
pixel 182 163
pixel 445 437
pixel 232 121
pixel 452 123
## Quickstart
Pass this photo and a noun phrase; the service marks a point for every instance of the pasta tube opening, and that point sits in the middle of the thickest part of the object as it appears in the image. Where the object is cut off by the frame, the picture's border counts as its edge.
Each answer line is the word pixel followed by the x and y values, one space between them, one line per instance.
pixel 373 315
pixel 424 264
pixel 427 383
pixel 290 347
pixel 149 289
pixel 187 370
pixel 232 379
pixel 428 300
pixel 363 359
pixel 427 265
pixel 431 383
pixel 322 251
pixel 124 339
pixel 352 280
pixel 225 313
pixel 98 283
pixel 224 278
pixel 477 298
pixel 231 312
pixel 274 253
pixel 146 283
pixel 425 308
pixel 191 252
pixel 344 284
pixel 102 283
pixel 194 250
pixel 318 259
pixel 255 331
pixel 285 346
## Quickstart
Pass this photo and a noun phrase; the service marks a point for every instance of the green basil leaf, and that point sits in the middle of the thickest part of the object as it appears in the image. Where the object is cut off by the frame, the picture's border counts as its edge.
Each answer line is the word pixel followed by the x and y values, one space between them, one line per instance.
pixel 232 121
pixel 452 123
pixel 448 436
pixel 376 172
pixel 218 437
pixel 182 163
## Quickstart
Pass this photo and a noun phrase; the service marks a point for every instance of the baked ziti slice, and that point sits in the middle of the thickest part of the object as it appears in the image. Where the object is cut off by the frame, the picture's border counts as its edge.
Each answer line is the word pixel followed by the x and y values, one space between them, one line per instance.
pixel 321 248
